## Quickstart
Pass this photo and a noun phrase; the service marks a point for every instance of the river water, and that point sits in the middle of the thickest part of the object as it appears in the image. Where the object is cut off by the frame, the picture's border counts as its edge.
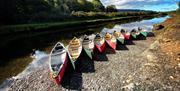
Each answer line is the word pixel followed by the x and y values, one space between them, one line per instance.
pixel 16 61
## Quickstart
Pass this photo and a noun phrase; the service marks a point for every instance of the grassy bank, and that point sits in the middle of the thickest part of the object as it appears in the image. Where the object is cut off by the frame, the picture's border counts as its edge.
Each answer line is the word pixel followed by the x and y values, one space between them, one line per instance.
pixel 60 25
pixel 168 34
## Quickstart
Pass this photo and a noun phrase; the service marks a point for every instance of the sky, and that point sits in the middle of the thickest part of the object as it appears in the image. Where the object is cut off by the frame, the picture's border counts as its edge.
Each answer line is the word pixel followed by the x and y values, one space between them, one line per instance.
pixel 155 5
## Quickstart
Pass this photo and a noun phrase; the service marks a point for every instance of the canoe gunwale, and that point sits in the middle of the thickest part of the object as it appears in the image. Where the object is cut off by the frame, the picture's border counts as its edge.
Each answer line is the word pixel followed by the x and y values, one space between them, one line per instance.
pixel 52 72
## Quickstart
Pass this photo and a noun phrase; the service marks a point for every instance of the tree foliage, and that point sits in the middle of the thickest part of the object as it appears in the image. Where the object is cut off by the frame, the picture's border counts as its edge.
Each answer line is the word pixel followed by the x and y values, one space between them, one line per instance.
pixel 111 8
pixel 24 11
pixel 98 6
pixel 35 11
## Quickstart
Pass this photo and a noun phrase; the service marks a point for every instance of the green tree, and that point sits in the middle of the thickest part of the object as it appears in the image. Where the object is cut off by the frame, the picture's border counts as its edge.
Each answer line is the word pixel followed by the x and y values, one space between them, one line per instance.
pixel 85 5
pixel 98 6
pixel 12 11
pixel 111 8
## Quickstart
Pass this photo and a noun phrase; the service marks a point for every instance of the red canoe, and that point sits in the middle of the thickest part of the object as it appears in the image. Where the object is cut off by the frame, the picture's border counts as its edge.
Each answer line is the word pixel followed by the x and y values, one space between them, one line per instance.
pixel 58 59
pixel 127 35
pixel 110 41
pixel 99 43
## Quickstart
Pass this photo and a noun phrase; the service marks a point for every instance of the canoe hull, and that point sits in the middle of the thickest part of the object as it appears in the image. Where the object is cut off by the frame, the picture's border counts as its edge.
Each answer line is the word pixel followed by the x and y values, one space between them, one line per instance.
pixel 110 44
pixel 60 75
pixel 120 40
pixel 127 37
pixel 134 36
pixel 143 33
pixel 87 52
pixel 99 48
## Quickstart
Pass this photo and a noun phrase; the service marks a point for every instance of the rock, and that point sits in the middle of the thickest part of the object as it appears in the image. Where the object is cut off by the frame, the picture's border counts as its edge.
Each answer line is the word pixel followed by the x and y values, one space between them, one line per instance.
pixel 159 27
pixel 129 87
pixel 178 54
pixel 166 40
pixel 179 65
pixel 171 77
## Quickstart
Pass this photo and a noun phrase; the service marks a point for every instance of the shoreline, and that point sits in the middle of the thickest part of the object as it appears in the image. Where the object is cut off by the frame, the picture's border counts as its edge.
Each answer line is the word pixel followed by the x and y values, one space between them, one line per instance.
pixel 154 68
pixel 12 29
pixel 20 68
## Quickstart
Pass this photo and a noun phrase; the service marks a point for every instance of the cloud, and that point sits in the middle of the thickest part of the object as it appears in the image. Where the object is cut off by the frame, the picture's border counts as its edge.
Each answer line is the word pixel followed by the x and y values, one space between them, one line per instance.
pixel 142 4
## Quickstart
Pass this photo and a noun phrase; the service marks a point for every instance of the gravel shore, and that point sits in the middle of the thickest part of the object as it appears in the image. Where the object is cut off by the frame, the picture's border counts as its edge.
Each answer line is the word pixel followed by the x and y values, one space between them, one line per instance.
pixel 140 67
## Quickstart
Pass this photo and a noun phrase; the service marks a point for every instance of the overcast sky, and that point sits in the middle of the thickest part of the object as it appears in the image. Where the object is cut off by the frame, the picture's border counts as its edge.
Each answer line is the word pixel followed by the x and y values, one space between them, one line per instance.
pixel 156 5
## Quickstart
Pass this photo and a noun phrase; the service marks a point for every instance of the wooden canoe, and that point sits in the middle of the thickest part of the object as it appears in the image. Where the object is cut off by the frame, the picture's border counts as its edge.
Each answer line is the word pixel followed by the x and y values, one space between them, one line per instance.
pixel 88 46
pixel 74 51
pixel 99 43
pixel 58 59
pixel 119 37
pixel 74 48
pixel 110 40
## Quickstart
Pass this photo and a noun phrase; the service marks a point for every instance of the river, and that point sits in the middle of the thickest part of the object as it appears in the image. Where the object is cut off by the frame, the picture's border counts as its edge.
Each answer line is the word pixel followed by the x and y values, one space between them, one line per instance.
pixel 16 49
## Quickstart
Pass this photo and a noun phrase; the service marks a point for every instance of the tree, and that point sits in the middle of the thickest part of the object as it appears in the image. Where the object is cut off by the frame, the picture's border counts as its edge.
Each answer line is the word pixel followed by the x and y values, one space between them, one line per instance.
pixel 111 8
pixel 30 11
pixel 85 5
pixel 98 6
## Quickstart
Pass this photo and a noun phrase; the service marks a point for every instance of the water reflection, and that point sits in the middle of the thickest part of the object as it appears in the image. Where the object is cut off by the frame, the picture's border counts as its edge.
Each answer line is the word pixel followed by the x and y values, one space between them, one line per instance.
pixel 145 24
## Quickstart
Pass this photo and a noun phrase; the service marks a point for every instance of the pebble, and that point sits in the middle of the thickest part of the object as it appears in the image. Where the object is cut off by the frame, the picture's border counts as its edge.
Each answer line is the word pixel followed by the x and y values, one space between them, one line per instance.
pixel 179 65
pixel 171 77
pixel 126 67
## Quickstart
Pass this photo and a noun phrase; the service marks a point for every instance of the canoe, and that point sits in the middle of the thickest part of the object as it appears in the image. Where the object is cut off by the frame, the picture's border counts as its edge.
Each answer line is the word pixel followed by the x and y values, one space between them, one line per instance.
pixel 99 43
pixel 74 48
pixel 142 32
pixel 58 59
pixel 134 34
pixel 119 37
pixel 125 34
pixel 88 45
pixel 110 41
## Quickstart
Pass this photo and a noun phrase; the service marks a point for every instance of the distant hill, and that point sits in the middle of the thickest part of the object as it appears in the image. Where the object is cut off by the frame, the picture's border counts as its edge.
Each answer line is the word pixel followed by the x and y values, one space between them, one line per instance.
pixel 133 10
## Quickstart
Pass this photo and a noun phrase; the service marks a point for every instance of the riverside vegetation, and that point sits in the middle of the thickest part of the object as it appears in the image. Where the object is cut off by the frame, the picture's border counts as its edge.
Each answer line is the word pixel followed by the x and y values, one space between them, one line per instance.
pixel 30 15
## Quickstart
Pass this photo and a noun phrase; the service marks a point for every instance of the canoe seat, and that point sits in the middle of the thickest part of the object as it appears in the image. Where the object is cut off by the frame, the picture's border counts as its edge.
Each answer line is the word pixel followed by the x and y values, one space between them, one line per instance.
pixel 58 49
pixel 85 42
pixel 56 67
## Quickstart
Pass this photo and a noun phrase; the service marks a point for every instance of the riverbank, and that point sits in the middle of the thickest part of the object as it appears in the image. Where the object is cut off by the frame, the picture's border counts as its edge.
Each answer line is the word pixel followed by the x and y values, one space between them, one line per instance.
pixel 12 29
pixel 15 59
pixel 118 73
pixel 142 66
pixel 168 35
